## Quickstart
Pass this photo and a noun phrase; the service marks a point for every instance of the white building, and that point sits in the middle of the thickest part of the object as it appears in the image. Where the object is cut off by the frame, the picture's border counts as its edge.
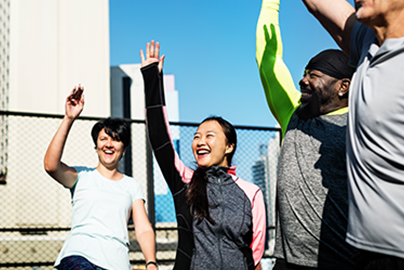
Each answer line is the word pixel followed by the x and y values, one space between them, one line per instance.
pixel 265 175
pixel 46 48
pixel 271 169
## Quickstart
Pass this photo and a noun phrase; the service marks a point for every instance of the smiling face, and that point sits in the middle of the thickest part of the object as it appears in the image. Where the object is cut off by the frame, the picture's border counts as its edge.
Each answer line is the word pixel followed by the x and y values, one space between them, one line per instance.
pixel 109 150
pixel 319 94
pixel 210 146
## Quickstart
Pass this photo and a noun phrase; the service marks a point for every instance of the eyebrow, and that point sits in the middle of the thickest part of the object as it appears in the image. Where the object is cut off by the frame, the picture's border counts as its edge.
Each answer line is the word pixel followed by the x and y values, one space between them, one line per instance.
pixel 208 131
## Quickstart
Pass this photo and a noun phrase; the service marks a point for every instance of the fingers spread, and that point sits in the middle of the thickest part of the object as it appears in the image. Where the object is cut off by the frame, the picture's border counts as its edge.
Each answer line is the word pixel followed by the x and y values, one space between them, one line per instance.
pixel 157 50
pixel 152 49
pixel 142 56
pixel 147 50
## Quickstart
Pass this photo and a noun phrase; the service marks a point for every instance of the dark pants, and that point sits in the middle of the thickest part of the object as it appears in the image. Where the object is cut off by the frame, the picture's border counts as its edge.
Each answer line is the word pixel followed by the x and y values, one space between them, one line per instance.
pixel 281 264
pixel 367 260
pixel 77 262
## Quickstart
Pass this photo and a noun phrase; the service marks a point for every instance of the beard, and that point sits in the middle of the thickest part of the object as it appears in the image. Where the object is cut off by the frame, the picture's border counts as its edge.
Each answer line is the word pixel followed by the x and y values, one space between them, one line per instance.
pixel 309 110
pixel 315 106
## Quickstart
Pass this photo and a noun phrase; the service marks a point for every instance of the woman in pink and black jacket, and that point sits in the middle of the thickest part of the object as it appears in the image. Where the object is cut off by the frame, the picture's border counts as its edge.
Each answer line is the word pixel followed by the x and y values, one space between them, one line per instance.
pixel 221 218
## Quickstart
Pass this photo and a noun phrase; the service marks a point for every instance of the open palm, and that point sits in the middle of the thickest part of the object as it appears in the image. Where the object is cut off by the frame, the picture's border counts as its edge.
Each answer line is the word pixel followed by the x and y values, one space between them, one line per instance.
pixel 152 55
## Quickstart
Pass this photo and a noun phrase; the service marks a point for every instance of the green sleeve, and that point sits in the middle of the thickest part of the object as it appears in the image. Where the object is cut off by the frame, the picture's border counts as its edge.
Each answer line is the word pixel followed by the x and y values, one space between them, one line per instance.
pixel 280 92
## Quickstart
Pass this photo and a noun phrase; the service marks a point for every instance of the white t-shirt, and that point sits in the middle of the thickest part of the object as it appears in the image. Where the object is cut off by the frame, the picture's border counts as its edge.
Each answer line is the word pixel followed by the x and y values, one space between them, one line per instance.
pixel 101 209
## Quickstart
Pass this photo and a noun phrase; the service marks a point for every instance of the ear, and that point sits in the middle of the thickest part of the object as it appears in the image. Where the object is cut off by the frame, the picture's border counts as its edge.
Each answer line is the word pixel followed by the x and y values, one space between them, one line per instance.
pixel 344 88
pixel 229 148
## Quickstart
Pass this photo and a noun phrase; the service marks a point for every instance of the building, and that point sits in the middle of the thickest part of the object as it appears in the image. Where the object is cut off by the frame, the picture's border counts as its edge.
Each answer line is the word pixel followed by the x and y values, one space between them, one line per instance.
pixel 264 173
pixel 46 48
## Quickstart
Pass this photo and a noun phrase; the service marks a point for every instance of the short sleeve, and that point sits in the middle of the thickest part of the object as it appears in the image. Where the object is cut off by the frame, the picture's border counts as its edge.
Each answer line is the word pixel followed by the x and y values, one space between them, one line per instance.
pixel 80 170
pixel 136 190
pixel 361 37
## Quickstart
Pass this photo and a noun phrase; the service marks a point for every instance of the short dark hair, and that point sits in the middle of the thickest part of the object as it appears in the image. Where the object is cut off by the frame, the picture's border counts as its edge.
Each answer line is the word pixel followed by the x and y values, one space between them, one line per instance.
pixel 118 129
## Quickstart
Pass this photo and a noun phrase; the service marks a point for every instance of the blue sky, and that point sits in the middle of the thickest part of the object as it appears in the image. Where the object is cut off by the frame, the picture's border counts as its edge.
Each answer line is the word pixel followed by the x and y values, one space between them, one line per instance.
pixel 210 48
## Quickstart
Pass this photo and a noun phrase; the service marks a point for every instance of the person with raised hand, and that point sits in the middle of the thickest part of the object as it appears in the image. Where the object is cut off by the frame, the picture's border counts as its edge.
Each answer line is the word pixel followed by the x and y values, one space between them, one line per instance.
pixel 312 193
pixel 102 198
pixel 220 217
pixel 372 34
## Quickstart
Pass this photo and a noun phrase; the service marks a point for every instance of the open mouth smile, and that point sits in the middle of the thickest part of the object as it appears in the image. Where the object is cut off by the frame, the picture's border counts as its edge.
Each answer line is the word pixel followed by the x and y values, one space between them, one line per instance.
pixel 306 95
pixel 109 152
pixel 202 152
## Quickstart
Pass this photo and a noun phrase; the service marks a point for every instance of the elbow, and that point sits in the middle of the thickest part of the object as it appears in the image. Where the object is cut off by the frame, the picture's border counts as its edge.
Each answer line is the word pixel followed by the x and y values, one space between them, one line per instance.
pixel 310 6
pixel 50 167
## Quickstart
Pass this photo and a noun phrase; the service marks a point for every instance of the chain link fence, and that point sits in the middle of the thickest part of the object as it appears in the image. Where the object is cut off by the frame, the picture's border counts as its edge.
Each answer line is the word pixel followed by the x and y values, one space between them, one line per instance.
pixel 35 210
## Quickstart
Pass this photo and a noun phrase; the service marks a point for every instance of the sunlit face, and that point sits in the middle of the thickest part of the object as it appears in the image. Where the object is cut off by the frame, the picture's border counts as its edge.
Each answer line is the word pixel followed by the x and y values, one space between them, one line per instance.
pixel 210 145
pixel 375 12
pixel 109 150
pixel 319 94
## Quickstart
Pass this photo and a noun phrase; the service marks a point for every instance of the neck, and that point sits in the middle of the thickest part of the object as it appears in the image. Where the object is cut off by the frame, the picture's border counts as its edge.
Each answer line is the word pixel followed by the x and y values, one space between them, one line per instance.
pixel 391 26
pixel 112 174
pixel 335 107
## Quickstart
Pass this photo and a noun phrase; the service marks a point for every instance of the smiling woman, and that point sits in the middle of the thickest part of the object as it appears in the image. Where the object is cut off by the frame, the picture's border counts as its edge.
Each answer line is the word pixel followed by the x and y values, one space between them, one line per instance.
pixel 214 143
pixel 102 197
pixel 221 218
pixel 111 138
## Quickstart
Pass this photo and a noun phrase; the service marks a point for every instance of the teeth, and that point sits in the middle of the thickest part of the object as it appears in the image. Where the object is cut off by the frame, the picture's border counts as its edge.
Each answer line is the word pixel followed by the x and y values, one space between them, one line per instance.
pixel 202 152
pixel 108 152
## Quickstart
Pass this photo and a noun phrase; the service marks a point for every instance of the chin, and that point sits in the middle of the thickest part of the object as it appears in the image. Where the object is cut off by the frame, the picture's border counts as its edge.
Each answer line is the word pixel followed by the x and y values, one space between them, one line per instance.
pixel 361 15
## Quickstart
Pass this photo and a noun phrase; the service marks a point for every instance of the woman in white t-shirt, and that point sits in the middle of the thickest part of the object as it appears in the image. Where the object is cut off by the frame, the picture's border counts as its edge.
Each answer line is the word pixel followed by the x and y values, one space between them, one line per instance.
pixel 102 197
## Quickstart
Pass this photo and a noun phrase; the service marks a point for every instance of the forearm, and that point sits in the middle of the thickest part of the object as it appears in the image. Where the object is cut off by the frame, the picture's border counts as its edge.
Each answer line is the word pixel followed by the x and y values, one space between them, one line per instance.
pixel 146 241
pixel 336 16
pixel 59 171
pixel 259 227
pixel 52 160
pixel 159 130
pixel 281 94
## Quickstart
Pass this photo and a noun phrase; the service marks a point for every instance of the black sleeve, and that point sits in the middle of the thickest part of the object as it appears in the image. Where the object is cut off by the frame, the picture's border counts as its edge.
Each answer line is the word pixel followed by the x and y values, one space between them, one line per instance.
pixel 158 127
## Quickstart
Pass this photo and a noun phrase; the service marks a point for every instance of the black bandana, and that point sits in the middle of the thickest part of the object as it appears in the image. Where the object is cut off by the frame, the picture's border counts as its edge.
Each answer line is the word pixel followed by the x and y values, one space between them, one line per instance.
pixel 333 63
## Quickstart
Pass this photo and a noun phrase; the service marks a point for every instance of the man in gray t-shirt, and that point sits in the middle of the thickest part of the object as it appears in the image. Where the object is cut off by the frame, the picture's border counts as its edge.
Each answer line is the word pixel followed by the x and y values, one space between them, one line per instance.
pixel 312 194
pixel 373 36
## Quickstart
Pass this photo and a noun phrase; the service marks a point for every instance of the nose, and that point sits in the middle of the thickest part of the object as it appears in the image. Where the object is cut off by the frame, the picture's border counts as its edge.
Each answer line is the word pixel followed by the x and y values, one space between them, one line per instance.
pixel 304 82
pixel 201 141
pixel 108 143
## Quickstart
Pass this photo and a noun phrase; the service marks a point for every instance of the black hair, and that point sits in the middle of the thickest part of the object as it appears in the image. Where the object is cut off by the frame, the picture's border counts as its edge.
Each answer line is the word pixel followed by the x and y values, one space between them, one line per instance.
pixel 196 193
pixel 116 128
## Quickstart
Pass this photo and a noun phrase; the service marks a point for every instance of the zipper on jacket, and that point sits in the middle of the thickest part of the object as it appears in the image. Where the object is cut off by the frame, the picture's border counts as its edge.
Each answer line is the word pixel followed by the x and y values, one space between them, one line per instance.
pixel 245 263
pixel 221 222
pixel 192 259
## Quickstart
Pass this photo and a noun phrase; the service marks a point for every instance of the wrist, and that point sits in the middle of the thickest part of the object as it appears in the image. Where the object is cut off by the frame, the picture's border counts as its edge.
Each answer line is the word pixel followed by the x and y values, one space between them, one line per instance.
pixel 69 119
pixel 152 263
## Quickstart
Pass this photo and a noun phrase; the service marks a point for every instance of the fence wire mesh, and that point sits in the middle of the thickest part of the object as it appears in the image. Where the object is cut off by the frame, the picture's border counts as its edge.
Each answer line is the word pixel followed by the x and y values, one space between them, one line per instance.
pixel 35 210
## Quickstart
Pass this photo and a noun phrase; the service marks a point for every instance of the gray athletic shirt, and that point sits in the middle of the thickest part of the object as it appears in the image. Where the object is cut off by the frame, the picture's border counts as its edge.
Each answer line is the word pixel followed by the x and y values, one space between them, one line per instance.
pixel 375 145
pixel 312 194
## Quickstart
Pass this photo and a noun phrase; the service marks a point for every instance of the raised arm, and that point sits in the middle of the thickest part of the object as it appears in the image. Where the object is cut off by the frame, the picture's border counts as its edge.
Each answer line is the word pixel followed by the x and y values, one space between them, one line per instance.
pixel 280 92
pixel 58 170
pixel 337 17
pixel 174 171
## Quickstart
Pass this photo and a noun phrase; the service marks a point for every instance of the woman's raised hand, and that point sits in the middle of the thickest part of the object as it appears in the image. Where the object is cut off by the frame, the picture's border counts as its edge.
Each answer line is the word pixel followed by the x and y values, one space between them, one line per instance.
pixel 152 55
pixel 75 102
